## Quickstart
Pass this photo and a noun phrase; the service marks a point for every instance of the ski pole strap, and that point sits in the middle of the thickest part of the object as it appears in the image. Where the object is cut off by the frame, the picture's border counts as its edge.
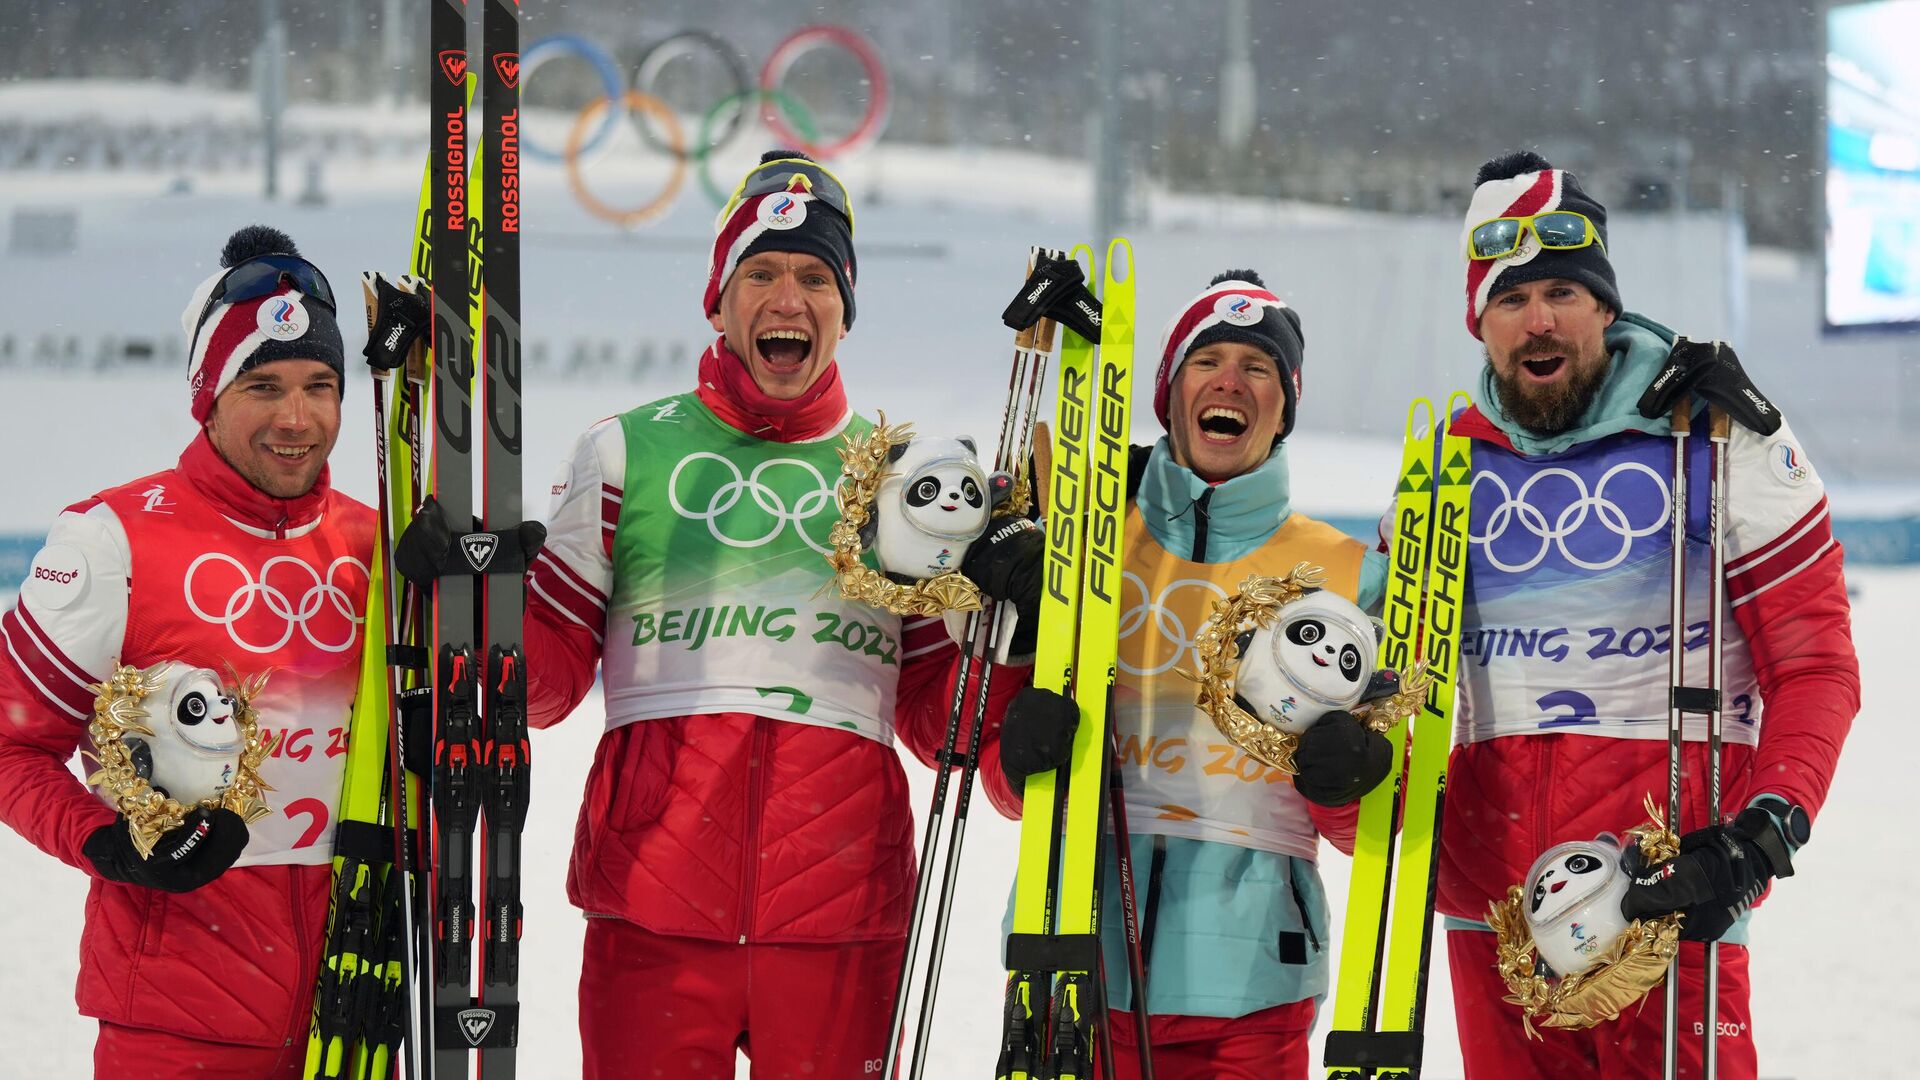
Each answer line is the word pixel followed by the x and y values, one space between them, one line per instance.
pixel 1053 952
pixel 1361 1051
pixel 1696 699
pixel 480 1027
pixel 415 657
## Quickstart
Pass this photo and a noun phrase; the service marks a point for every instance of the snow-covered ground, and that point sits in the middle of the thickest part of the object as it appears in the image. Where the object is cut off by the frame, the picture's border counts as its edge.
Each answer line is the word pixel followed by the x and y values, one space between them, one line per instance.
pixel 1829 1001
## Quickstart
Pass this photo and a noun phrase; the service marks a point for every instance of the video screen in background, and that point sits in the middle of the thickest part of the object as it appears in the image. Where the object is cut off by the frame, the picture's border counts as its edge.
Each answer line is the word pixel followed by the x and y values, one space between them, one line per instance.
pixel 1873 166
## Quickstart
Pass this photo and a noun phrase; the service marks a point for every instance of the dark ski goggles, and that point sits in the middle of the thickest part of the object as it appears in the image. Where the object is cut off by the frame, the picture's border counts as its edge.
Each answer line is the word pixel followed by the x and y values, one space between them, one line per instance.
pixel 780 175
pixel 1557 230
pixel 261 276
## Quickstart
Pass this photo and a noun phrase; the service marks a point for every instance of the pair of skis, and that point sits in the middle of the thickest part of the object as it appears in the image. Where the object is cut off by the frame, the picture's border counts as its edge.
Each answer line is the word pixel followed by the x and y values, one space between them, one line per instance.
pixel 1054 1010
pixel 1379 1011
pixel 398 967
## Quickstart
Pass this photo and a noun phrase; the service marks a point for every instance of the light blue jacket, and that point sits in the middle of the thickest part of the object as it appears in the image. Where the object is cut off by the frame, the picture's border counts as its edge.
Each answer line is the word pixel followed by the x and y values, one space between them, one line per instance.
pixel 1234 930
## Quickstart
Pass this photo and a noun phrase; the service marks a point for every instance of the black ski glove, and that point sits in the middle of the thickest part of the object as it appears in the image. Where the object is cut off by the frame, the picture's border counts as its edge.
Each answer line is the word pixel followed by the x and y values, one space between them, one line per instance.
pixel 1037 734
pixel 1710 369
pixel 1006 562
pixel 184 859
pixel 398 315
pixel 428 548
pixel 1339 759
pixel 1720 871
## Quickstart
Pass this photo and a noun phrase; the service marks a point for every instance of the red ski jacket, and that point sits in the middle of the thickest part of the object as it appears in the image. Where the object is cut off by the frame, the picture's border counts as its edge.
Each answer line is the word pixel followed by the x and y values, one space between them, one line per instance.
pixel 194 564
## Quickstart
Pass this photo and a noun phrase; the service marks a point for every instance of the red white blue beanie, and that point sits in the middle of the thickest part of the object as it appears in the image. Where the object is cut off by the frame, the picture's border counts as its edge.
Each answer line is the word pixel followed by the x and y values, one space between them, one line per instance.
pixel 1236 306
pixel 789 220
pixel 1515 185
pixel 240 336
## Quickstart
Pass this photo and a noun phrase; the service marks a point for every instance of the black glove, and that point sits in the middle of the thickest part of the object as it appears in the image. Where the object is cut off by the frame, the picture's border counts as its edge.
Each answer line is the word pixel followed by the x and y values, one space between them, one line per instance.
pixel 1339 759
pixel 1037 734
pixel 1710 369
pixel 428 548
pixel 1057 290
pixel 184 859
pixel 1006 562
pixel 397 319
pixel 1720 871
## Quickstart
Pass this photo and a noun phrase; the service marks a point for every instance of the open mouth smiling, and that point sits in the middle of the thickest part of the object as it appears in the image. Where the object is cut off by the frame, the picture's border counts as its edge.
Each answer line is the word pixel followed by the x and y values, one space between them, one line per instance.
pixel 784 350
pixel 1220 423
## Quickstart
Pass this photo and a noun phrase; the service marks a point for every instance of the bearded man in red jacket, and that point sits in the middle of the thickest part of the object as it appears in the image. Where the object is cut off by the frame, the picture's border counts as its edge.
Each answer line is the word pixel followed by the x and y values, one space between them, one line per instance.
pixel 1562 727
pixel 199 960
pixel 744 853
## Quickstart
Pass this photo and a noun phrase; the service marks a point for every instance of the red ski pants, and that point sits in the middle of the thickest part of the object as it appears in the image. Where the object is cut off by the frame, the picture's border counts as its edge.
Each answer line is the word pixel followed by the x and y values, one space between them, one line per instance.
pixel 1493 1044
pixel 652 1005
pixel 1268 1045
pixel 122 1052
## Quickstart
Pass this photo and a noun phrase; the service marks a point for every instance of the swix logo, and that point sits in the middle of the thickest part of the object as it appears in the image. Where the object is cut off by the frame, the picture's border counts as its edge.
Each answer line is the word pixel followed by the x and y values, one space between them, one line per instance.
pixel 475 1024
pixel 479 549
pixel 507 66
pixel 1764 407
pixel 393 338
pixel 156 497
pixel 1092 313
pixel 1039 291
pixel 453 64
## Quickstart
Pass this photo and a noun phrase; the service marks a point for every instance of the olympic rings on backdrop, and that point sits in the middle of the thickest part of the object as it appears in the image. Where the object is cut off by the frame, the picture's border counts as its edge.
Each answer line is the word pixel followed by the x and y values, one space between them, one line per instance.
pixel 668 49
pixel 548 48
pixel 639 215
pixel 807 39
pixel 785 116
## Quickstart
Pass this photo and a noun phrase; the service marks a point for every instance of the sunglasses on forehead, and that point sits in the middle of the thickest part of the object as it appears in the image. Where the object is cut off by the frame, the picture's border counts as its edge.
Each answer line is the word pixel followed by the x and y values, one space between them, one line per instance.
pixel 1556 230
pixel 261 276
pixel 791 174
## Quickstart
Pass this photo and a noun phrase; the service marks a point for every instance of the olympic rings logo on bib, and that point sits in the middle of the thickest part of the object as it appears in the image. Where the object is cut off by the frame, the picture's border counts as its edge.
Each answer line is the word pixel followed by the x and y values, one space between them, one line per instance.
pixel 747 511
pixel 1175 639
pixel 289 597
pixel 1614 520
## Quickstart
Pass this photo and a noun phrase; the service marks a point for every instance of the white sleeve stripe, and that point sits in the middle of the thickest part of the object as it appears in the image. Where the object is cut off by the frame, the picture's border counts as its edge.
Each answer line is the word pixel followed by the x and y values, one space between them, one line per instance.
pixel 534 584
pixel 925 649
pixel 45 695
pixel 915 624
pixel 1809 561
pixel 1813 517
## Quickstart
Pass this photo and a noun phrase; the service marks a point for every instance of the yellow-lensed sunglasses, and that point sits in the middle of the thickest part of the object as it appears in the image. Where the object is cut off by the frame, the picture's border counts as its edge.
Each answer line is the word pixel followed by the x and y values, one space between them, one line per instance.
pixel 1558 230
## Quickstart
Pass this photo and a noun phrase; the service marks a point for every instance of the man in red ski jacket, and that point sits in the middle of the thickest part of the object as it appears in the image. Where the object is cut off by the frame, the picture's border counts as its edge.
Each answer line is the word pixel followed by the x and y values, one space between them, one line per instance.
pixel 1562 725
pixel 200 961
pixel 744 851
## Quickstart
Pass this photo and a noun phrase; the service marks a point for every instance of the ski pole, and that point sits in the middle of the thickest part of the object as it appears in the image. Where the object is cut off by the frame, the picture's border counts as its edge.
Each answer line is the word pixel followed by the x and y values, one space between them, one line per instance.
pixel 1718 431
pixel 1676 679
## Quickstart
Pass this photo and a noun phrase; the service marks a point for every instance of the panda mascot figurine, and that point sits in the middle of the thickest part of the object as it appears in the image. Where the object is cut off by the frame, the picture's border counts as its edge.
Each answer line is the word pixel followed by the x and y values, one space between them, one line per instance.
pixel 190 749
pixel 933 504
pixel 1573 902
pixel 1317 657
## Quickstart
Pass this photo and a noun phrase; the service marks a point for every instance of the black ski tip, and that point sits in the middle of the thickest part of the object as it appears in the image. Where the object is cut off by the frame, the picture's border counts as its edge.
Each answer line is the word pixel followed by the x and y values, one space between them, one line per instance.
pixel 1508 166
pixel 253 241
pixel 1247 276
pixel 783 155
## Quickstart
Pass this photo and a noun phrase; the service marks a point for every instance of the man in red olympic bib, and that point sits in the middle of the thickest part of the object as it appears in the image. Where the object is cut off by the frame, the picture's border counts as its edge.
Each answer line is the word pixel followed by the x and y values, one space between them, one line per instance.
pixel 199 960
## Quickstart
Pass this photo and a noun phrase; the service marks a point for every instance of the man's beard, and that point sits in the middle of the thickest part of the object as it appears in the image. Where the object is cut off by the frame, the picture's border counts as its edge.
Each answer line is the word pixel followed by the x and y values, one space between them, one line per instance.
pixel 1552 408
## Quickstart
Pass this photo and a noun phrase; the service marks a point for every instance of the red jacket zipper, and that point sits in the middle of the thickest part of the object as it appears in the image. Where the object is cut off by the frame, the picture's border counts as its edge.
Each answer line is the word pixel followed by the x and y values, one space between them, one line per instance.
pixel 750 843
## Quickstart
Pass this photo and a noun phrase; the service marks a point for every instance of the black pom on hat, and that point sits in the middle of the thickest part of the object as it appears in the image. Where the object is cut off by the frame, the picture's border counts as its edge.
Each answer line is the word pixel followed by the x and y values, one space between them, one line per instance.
pixel 1247 276
pixel 783 155
pixel 1508 166
pixel 253 241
